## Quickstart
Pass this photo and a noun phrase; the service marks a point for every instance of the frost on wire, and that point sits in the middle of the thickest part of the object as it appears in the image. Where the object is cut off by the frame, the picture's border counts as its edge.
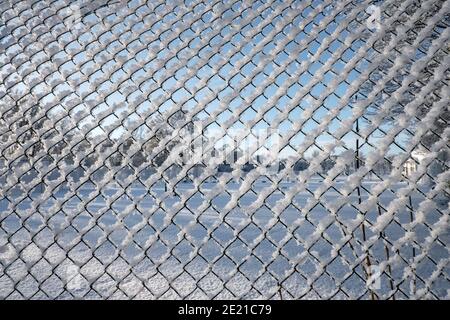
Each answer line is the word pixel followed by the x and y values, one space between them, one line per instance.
pixel 224 149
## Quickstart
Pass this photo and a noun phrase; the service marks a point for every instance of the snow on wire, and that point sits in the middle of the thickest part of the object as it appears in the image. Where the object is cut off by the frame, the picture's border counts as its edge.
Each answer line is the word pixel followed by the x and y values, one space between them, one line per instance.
pixel 224 149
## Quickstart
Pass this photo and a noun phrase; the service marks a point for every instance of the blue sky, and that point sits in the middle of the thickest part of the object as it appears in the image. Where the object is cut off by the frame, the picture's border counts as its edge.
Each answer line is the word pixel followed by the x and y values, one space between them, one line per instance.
pixel 226 80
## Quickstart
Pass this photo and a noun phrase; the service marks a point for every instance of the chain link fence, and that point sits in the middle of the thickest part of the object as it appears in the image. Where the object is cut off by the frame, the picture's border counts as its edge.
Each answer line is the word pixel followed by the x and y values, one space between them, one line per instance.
pixel 224 149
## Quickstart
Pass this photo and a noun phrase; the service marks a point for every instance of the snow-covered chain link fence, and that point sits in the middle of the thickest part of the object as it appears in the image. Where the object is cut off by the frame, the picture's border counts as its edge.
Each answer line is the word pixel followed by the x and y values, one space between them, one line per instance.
pixel 224 149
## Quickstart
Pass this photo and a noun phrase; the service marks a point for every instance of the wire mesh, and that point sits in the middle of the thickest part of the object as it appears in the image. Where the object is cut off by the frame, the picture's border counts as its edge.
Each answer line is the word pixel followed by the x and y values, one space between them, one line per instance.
pixel 224 149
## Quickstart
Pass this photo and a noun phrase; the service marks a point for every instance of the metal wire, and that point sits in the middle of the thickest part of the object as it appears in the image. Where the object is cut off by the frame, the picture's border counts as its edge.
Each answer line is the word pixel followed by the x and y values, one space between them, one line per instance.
pixel 224 149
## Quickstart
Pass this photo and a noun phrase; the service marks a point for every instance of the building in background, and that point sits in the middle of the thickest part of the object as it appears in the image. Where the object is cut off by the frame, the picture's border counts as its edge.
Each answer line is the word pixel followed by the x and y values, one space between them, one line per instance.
pixel 410 166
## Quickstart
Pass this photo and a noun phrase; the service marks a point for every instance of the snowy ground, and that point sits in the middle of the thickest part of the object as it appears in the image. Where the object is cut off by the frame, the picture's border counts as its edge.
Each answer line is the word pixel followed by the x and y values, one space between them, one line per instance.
pixel 151 250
